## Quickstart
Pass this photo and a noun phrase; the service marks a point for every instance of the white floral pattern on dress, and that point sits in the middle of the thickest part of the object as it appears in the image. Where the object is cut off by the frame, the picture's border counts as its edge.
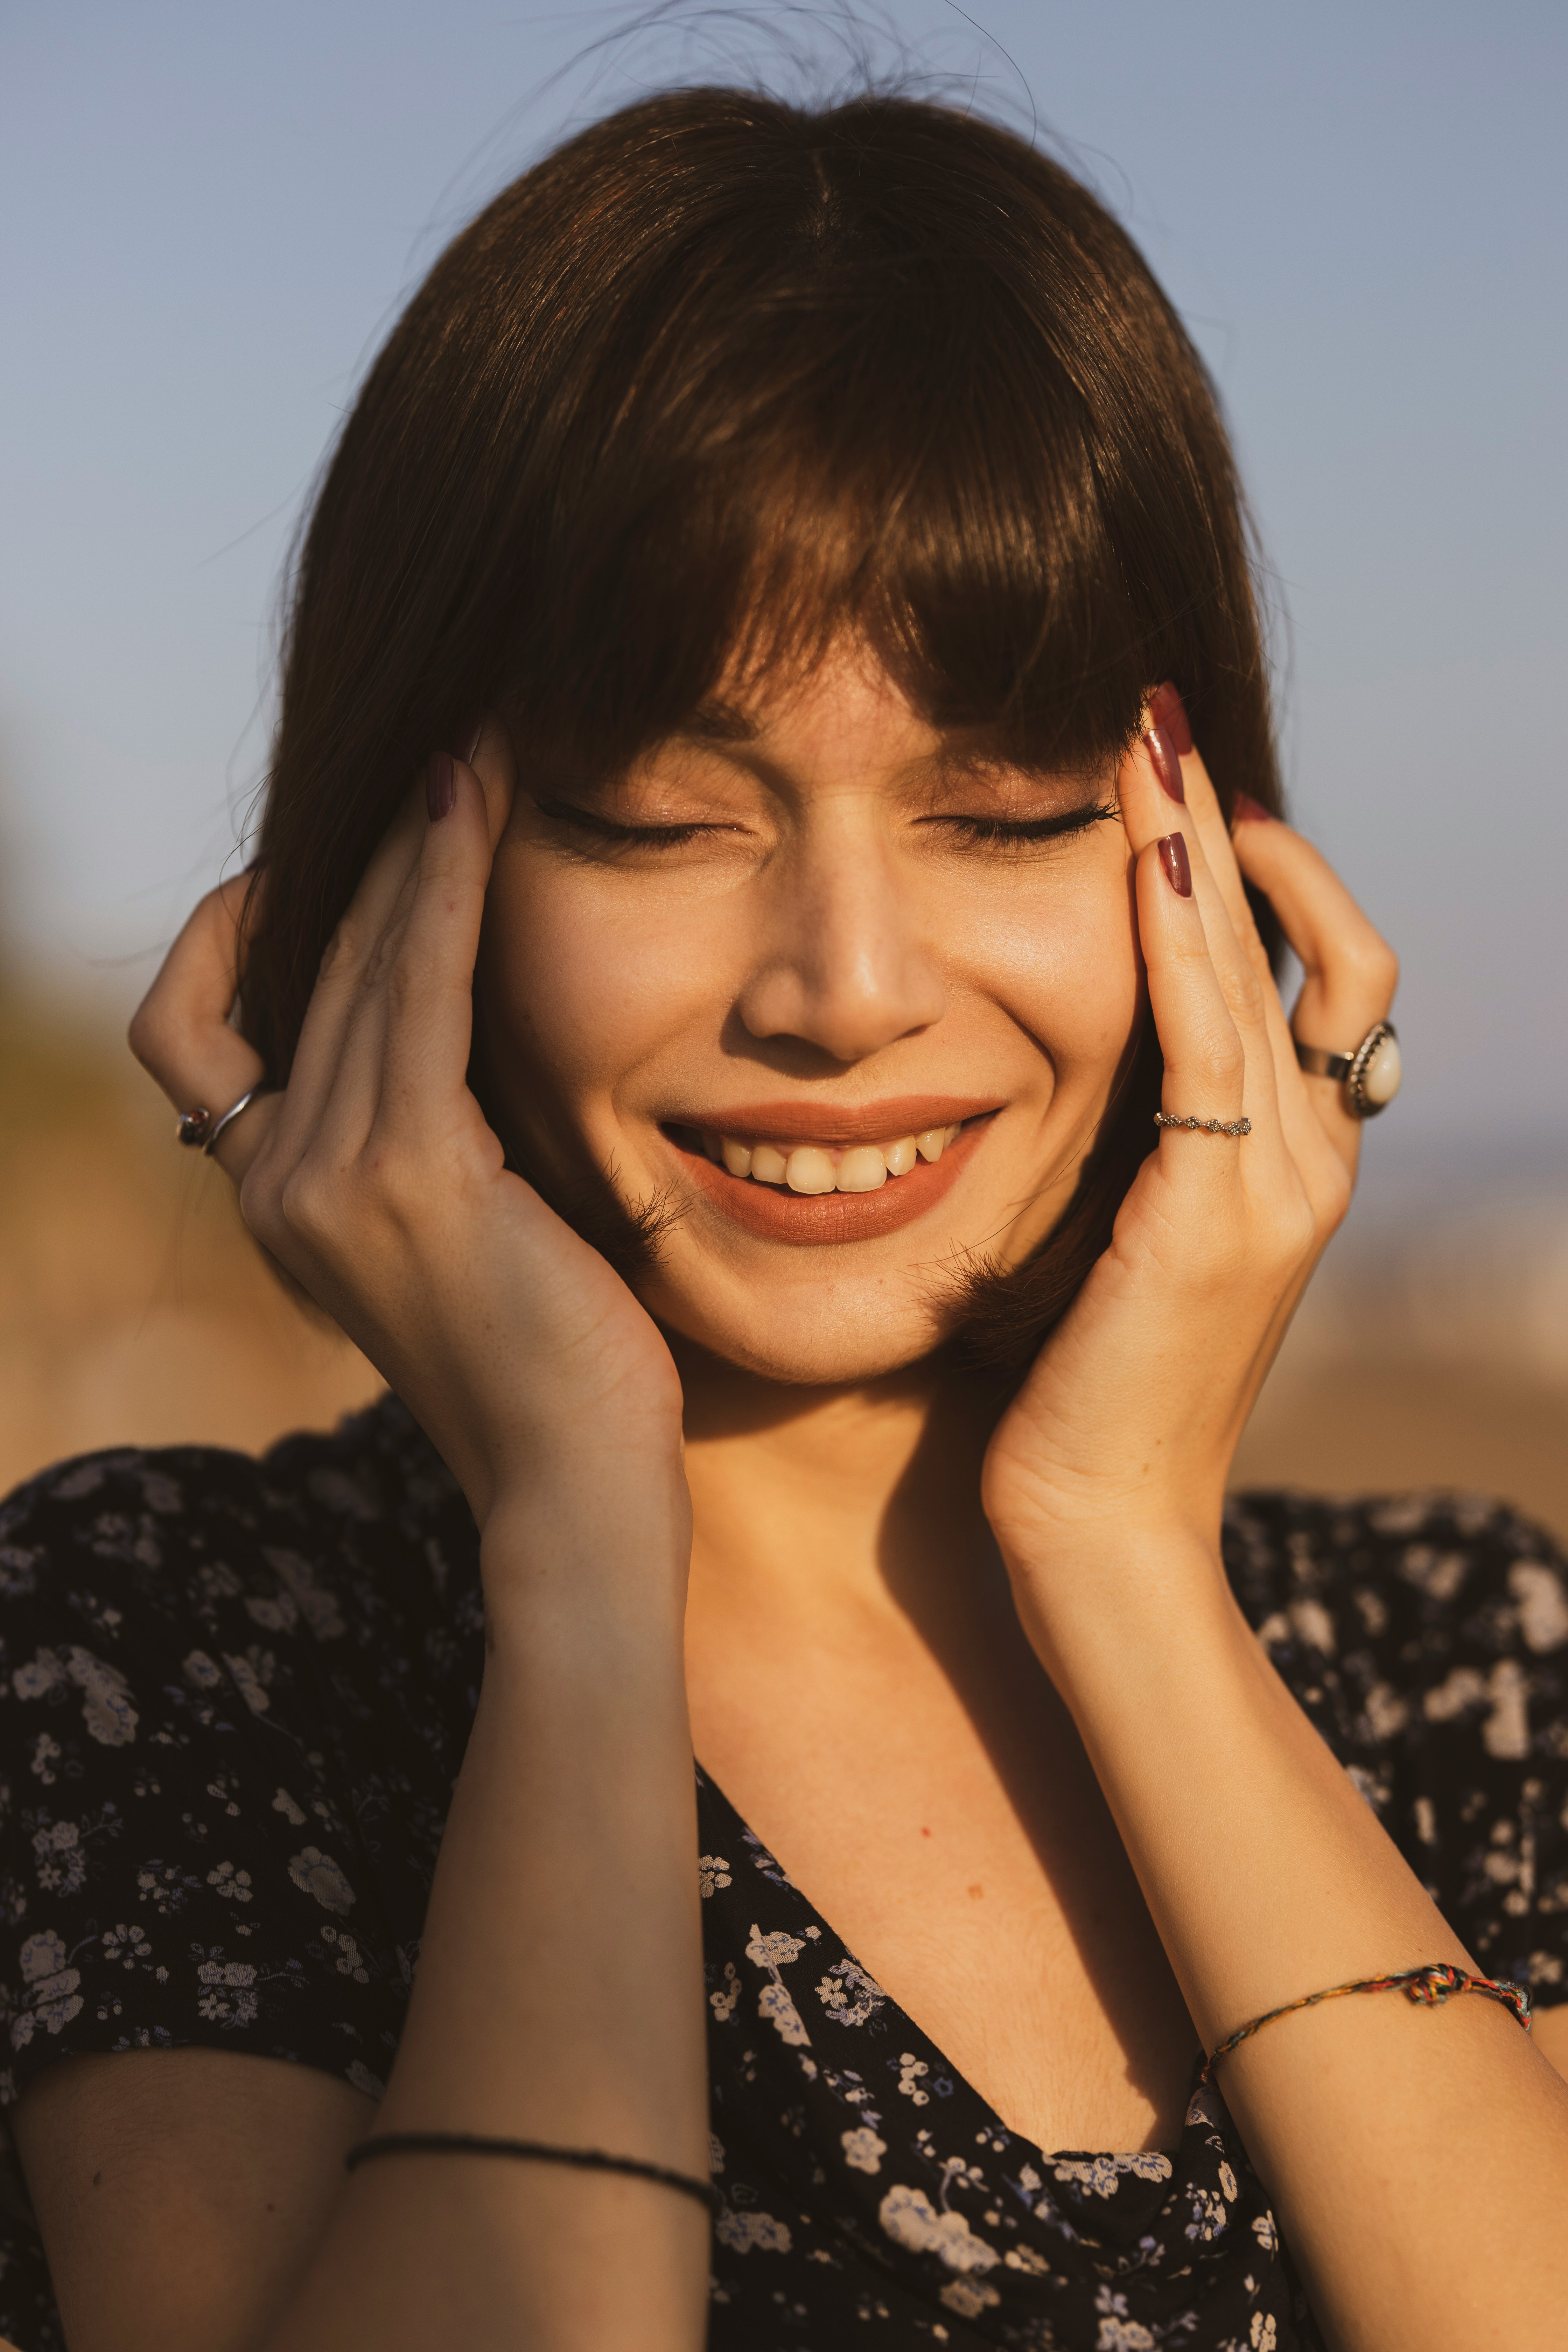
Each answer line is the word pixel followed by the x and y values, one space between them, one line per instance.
pixel 320 1875
pixel 743 2232
pixel 910 2219
pixel 775 2001
pixel 848 1994
pixel 49 1988
pixel 863 2151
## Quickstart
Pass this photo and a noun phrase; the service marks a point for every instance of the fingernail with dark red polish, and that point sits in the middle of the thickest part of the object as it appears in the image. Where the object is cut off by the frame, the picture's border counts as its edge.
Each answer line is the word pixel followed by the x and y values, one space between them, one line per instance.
pixel 1173 859
pixel 1166 710
pixel 1251 812
pixel 1167 767
pixel 441 785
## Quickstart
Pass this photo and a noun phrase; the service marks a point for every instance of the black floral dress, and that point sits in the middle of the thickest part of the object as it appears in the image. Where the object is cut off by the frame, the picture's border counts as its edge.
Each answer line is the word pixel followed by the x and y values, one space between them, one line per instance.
pixel 234 1696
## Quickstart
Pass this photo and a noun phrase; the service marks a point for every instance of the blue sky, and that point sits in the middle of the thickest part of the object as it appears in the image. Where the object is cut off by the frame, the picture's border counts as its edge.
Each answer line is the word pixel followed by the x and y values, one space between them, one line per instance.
pixel 212 213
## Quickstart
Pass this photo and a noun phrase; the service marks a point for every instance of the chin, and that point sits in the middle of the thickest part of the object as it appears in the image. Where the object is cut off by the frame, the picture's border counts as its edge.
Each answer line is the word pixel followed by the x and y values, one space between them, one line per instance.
pixel 852 1331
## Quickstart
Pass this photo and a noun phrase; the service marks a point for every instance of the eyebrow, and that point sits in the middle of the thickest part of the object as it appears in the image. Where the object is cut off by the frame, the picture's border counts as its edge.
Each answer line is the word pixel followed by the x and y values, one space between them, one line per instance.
pixel 716 721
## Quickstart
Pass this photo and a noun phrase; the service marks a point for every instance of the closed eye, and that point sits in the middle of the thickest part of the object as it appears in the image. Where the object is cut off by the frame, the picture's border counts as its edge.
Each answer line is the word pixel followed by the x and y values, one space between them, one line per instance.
pixel 621 836
pixel 992 832
pixel 1020 832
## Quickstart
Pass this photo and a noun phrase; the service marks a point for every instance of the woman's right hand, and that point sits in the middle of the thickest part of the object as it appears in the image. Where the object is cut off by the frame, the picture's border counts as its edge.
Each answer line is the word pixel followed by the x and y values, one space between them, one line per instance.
pixel 375 1181
pixel 558 1993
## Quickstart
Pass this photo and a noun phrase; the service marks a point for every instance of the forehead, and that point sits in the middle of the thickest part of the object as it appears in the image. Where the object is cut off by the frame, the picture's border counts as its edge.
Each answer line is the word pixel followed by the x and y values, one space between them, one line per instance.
pixel 845 710
pixel 846 721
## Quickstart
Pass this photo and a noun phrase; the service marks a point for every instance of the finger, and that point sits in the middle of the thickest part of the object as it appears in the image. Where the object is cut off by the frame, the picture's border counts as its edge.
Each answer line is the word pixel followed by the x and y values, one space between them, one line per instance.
pixel 428 1030
pixel 348 1106
pixel 349 964
pixel 1205 1061
pixel 1152 811
pixel 491 757
pixel 1180 767
pixel 181 1031
pixel 1350 971
pixel 349 998
pixel 1306 1139
pixel 1209 1075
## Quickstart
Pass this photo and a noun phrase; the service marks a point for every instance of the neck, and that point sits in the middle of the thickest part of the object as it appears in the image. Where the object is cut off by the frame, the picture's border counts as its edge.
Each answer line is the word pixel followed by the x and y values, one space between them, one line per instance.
pixel 836 1498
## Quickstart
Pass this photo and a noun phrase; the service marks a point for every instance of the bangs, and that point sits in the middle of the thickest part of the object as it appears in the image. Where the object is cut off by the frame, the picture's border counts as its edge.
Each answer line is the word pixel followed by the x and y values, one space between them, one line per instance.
pixel 839 419
pixel 1003 625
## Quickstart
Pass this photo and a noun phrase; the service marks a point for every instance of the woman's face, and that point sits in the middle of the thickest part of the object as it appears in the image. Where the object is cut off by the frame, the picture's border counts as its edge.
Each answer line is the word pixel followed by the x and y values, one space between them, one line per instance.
pixel 808 931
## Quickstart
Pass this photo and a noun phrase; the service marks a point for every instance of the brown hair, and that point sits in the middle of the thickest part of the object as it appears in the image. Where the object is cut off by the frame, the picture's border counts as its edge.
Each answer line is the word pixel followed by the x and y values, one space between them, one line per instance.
pixel 718 379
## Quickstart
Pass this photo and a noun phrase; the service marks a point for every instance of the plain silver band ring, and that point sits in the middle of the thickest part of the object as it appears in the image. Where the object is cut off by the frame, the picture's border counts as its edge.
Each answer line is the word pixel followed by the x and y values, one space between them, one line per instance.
pixel 1319 1063
pixel 1206 1126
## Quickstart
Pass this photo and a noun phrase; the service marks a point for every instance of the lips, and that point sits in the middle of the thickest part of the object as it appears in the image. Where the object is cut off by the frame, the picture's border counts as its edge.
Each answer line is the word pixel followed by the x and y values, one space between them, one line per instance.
pixel 801 1122
pixel 798 1172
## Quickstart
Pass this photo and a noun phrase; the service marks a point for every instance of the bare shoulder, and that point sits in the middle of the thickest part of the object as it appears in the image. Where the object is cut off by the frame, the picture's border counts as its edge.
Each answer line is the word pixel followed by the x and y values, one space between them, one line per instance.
pixel 181 2193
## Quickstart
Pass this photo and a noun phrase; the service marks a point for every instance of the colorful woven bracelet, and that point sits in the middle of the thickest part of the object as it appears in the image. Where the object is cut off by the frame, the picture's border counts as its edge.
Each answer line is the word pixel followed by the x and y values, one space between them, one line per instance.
pixel 1431 1985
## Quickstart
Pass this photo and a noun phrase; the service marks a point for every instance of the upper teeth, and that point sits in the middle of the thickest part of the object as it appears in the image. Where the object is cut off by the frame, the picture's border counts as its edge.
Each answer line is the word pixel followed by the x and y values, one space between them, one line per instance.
pixel 830 1168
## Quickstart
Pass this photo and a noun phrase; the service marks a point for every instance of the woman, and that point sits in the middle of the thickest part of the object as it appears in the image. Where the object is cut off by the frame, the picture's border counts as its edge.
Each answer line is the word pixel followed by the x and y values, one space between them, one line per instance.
pixel 720 1098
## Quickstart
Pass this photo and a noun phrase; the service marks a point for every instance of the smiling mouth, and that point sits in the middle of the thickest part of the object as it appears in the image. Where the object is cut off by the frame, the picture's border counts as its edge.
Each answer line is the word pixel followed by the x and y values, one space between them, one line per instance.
pixel 794 1175
pixel 817 1168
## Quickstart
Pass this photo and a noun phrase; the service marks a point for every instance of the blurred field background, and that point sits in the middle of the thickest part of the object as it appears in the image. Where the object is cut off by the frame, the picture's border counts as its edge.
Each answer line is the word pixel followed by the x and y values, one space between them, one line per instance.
pixel 213 215
pixel 1432 1349
pixel 134 1308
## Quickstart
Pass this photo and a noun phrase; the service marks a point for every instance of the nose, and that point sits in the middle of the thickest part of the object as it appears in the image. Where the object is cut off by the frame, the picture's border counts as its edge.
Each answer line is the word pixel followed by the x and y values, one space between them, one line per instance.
pixel 841 960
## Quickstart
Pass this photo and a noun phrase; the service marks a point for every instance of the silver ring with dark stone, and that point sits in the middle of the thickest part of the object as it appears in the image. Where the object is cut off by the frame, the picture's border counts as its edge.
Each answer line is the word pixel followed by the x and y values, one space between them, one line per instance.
pixel 200 1130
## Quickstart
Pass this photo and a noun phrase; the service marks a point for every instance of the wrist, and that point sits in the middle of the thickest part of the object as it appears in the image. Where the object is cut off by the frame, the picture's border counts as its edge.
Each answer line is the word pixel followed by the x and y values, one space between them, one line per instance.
pixel 587 1565
pixel 1083 1593
pixel 1059 1558
pixel 557 1475
pixel 1045 1515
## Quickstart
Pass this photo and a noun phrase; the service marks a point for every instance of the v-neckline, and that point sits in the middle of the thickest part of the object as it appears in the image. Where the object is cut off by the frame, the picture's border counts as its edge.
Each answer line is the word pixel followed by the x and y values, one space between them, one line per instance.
pixel 895 2010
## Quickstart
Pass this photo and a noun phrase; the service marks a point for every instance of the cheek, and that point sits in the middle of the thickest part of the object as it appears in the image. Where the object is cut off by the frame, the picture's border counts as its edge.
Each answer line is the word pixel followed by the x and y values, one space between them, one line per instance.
pixel 583 988
pixel 1064 965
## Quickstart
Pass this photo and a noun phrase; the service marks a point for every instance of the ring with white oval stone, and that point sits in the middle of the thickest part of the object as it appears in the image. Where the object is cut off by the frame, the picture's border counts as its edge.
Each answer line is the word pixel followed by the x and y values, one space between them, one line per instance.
pixel 1370 1076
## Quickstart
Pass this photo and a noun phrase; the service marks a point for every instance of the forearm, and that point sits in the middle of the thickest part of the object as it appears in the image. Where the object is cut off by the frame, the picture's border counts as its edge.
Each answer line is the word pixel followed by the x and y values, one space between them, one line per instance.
pixel 1268 1877
pixel 558 1999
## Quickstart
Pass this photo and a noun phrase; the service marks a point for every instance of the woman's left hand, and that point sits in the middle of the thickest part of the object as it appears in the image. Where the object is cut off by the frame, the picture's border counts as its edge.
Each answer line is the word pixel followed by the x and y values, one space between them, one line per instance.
pixel 1128 1418
pixel 1268 1873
